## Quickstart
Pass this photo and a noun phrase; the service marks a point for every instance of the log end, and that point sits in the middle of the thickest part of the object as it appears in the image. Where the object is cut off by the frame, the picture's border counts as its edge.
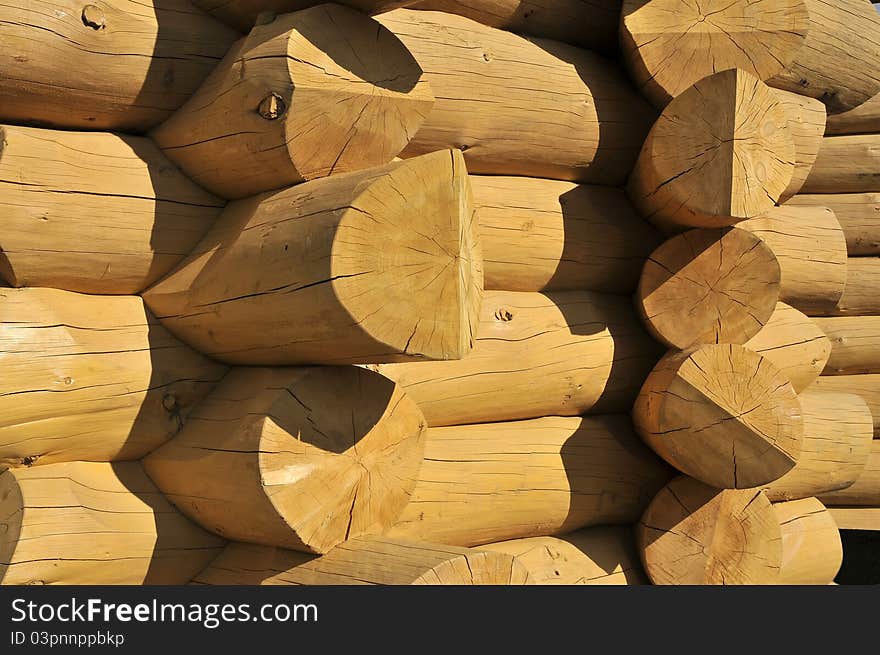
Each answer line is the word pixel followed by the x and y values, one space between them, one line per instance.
pixel 476 567
pixel 709 286
pixel 693 534
pixel 722 414
pixel 11 513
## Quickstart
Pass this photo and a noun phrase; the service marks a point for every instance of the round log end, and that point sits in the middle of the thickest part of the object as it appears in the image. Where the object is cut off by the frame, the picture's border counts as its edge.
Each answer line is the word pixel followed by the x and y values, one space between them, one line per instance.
pixel 414 231
pixel 671 44
pixel 720 153
pixel 722 414
pixel 476 568
pixel 709 286
pixel 693 534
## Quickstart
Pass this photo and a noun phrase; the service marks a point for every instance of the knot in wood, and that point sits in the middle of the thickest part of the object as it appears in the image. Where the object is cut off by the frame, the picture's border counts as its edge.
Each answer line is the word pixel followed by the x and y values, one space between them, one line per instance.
pixel 30 460
pixel 503 315
pixel 272 107
pixel 94 17
pixel 169 402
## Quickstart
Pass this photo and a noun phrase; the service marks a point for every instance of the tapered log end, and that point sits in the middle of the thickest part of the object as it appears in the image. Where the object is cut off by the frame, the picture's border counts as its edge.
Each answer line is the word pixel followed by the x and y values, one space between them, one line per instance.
pixel 721 152
pixel 694 534
pixel 721 414
pixel 315 456
pixel 408 265
pixel 671 44
pixel 709 286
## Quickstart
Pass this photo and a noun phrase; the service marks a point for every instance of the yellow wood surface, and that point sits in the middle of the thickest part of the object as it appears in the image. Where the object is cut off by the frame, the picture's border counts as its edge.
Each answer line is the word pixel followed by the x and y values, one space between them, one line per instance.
pixel 858 215
pixel 811 549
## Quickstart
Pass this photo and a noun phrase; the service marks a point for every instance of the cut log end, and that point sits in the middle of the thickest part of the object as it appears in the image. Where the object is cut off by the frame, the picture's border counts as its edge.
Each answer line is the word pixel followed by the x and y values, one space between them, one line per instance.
pixel 721 152
pixel 722 414
pixel 709 286
pixel 811 548
pixel 696 535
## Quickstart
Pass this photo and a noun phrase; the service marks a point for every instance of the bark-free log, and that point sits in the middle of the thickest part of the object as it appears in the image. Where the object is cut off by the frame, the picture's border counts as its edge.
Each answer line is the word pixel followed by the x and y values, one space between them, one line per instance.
pixel 372 266
pixel 708 286
pixel 855 344
pixel 496 481
pixel 858 215
pixel 865 491
pixel 838 434
pixel 864 119
pixel 811 548
pixel 719 153
pixel 846 164
pixel 94 212
pixel 590 24
pixel 90 378
pixel 243 14
pixel 522 107
pixel 593 556
pixel 558 354
pixel 95 524
pixel 794 344
pixel 694 534
pixel 826 49
pixel 811 250
pixel 320 91
pixel 856 518
pixel 722 414
pixel 301 458
pixel 866 386
pixel 548 235
pixel 377 560
pixel 860 297
pixel 806 122
pixel 112 65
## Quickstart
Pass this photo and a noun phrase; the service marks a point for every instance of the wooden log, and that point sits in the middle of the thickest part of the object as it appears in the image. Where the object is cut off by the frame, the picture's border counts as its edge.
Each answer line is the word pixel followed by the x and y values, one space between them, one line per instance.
pixel 866 386
pixel 825 50
pixel 315 92
pixel 593 556
pixel 860 297
pixel 856 518
pixel 807 126
pixel 301 458
pixel 558 354
pixel 694 534
pixel 857 214
pixel 708 286
pixel 838 434
pixel 590 24
pixel 794 344
pixel 376 560
pixel 97 524
pixel 244 14
pixel 547 235
pixel 376 265
pixel 864 119
pixel 811 548
pixel 90 378
pixel 516 106
pixel 811 250
pixel 94 212
pixel 846 164
pixel 719 153
pixel 864 492
pixel 116 65
pixel 722 414
pixel 855 344
pixel 492 482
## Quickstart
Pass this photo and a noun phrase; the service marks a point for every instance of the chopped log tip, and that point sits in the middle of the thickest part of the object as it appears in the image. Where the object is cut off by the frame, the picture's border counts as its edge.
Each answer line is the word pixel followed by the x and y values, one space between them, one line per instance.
pixel 485 483
pixel 811 549
pixel 825 50
pixel 90 378
pixel 794 344
pixel 317 92
pixel 857 214
pixel 810 247
pixel 379 561
pixel 92 523
pixel 593 556
pixel 565 353
pixel 720 153
pixel 121 65
pixel 518 106
pixel 94 212
pixel 708 286
pixel 693 534
pixel 301 458
pixel 373 266
pixel 865 491
pixel 838 435
pixel 722 414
